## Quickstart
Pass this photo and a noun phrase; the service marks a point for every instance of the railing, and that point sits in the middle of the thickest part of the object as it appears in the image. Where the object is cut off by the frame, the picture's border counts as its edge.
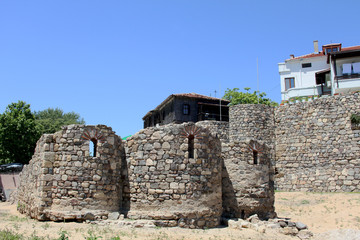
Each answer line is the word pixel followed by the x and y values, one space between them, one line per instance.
pixel 212 116
pixel 348 76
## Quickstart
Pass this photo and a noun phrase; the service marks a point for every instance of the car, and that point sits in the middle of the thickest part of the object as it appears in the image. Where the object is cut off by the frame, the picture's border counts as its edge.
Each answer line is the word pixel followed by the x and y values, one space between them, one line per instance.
pixel 11 167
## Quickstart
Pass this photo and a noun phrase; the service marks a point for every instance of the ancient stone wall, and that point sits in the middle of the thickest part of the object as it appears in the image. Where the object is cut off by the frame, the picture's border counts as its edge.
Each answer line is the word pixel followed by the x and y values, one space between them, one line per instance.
pixel 248 172
pixel 248 185
pixel 31 193
pixel 63 181
pixel 252 121
pixel 220 129
pixel 316 147
pixel 190 175
pixel 174 174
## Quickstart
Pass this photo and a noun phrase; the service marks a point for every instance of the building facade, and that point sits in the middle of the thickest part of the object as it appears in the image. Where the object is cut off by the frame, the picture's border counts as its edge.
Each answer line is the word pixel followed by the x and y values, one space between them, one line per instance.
pixel 188 107
pixel 333 70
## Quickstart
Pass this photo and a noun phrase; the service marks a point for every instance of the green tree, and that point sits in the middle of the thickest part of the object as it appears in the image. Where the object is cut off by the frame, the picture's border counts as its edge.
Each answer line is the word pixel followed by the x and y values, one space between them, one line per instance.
pixel 18 133
pixel 236 97
pixel 51 120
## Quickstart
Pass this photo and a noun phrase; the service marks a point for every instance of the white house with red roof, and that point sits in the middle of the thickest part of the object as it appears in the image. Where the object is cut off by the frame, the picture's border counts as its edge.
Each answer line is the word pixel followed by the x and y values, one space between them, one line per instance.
pixel 333 70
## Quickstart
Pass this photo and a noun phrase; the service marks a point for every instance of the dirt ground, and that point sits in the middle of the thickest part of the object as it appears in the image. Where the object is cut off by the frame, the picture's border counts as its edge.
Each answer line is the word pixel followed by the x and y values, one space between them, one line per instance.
pixel 328 216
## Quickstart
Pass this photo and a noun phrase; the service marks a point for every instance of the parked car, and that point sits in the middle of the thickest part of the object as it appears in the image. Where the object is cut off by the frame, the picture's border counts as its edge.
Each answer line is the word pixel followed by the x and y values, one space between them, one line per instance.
pixel 11 167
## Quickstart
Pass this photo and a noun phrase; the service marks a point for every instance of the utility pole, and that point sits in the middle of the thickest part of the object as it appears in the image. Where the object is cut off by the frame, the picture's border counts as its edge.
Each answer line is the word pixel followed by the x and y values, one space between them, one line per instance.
pixel 257 73
pixel 220 103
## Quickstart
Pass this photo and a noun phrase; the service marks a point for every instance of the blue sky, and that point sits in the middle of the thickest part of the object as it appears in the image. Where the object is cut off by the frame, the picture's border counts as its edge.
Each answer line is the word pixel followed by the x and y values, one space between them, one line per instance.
pixel 112 61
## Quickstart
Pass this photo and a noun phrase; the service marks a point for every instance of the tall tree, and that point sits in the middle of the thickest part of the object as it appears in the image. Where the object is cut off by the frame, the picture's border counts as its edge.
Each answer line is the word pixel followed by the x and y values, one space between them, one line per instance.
pixel 236 97
pixel 18 133
pixel 51 120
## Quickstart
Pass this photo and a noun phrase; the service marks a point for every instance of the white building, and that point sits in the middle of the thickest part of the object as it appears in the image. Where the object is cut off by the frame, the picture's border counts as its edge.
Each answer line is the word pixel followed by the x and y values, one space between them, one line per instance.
pixel 333 70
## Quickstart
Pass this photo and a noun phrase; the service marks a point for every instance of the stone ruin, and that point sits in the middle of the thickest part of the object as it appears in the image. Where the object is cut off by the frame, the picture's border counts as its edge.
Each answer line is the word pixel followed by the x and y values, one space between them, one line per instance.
pixel 188 175
pixel 193 175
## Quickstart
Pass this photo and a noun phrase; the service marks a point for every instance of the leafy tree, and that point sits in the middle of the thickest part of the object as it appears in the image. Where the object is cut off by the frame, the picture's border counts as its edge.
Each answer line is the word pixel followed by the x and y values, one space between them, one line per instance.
pixel 51 120
pixel 18 133
pixel 236 97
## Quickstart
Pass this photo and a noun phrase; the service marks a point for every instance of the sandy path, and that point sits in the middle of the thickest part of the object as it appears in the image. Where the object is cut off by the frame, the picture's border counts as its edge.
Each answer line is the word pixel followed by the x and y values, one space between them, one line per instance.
pixel 320 211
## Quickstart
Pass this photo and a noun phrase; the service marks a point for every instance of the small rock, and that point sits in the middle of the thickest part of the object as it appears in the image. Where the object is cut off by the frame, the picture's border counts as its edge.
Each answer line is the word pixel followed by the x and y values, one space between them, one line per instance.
pixel 289 231
pixel 233 224
pixel 173 223
pixel 291 224
pixel 89 216
pixel 160 223
pixel 274 225
pixel 300 226
pixel 304 234
pixel 283 224
pixel 201 223
pixel 254 218
pixel 138 225
pixel 114 216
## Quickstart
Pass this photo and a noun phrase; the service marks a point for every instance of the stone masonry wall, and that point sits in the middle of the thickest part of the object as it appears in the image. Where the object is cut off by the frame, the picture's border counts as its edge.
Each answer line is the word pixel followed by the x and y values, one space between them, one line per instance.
pixel 31 193
pixel 169 185
pixel 248 184
pixel 248 187
pixel 62 181
pixel 316 147
pixel 220 129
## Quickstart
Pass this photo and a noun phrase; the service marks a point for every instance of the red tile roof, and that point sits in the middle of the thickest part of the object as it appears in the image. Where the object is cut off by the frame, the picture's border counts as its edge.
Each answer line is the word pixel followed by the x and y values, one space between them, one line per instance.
pixel 350 48
pixel 198 96
pixel 311 55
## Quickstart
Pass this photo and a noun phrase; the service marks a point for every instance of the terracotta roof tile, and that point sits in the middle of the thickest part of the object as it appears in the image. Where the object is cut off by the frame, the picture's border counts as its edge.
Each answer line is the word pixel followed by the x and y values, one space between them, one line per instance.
pixel 350 48
pixel 195 95
pixel 311 55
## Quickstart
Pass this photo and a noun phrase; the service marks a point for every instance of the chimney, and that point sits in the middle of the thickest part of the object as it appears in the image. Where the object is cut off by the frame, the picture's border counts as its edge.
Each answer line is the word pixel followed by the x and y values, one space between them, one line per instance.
pixel 292 56
pixel 316 46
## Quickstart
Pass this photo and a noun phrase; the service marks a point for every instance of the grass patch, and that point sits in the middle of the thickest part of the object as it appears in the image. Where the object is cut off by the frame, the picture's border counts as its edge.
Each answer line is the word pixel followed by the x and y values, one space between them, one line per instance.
pixel 305 202
pixel 17 219
pixel 9 235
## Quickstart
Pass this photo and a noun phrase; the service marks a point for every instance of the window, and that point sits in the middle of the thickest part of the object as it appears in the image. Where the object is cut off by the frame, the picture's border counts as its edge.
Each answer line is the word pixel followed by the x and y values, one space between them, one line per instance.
pixel 306 65
pixel 329 50
pixel 255 157
pixel 351 68
pixel 92 147
pixel 191 146
pixel 289 83
pixel 186 109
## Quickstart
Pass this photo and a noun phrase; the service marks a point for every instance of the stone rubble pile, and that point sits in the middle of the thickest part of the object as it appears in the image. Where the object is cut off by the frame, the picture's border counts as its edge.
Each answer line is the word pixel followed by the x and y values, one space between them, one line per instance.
pixel 284 226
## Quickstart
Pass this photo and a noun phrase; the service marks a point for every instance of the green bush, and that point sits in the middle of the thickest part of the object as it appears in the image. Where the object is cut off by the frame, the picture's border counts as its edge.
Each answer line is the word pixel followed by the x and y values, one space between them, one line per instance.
pixel 355 119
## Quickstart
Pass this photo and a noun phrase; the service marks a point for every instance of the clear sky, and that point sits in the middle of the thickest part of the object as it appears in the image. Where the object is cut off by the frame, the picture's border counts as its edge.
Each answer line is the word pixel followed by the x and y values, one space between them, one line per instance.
pixel 112 61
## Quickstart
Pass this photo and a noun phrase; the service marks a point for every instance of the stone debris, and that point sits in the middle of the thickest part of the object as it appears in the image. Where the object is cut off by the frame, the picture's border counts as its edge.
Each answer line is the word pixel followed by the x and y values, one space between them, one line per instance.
pixel 284 226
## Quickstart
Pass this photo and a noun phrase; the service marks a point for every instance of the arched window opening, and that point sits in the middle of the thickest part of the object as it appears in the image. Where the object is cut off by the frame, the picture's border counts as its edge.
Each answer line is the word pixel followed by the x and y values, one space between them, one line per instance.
pixel 191 146
pixel 93 147
pixel 255 157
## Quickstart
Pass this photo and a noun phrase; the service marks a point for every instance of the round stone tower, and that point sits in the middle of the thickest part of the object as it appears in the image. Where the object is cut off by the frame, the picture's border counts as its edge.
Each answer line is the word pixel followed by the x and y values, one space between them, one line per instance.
pixel 74 174
pixel 175 176
pixel 248 172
